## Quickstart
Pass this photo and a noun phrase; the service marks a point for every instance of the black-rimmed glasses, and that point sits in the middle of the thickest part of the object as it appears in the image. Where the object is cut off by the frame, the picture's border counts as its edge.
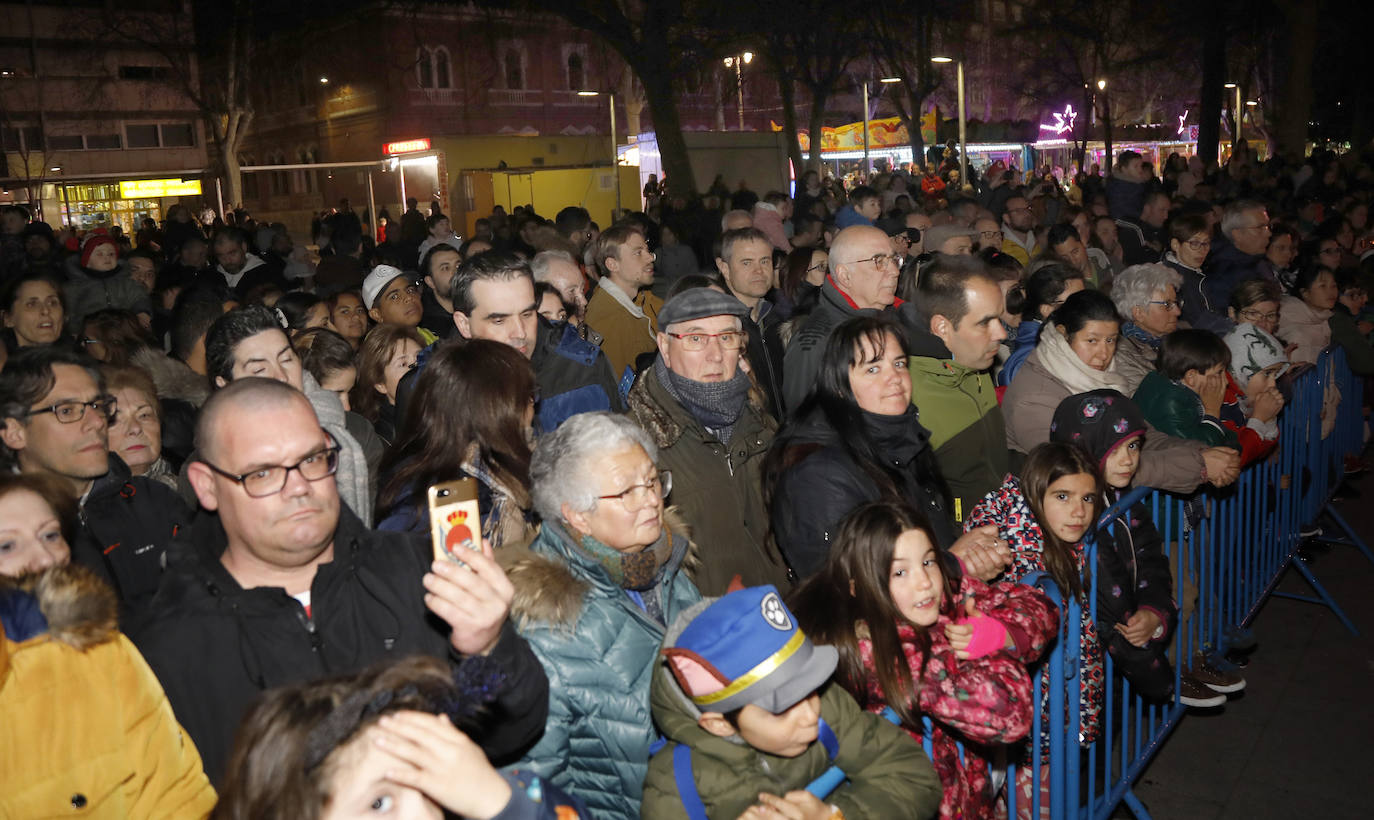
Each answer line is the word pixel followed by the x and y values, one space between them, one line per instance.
pixel 266 481
pixel 73 410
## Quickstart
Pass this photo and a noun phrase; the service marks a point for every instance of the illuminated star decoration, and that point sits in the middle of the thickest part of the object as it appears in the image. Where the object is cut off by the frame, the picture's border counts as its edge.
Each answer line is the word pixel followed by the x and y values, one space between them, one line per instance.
pixel 1181 119
pixel 1063 123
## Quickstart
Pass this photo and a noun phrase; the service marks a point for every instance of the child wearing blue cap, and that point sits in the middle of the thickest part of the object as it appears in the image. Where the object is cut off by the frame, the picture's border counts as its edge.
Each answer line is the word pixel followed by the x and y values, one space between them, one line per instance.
pixel 745 700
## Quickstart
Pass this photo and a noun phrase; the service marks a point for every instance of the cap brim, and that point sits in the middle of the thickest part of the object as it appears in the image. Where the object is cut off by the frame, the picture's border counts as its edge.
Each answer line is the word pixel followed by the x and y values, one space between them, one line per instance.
pixel 800 675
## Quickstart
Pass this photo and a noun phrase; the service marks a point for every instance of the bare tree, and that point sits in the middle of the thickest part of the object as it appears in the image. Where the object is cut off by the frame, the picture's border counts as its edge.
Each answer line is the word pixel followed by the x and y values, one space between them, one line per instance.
pixel 904 37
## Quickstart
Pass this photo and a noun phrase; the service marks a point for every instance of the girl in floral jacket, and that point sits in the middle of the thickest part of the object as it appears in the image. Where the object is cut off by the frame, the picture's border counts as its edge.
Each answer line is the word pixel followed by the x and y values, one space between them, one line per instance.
pixel 914 634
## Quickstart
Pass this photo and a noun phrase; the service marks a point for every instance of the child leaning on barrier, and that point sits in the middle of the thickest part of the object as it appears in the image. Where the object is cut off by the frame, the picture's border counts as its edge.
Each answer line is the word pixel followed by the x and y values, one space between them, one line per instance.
pixel 926 640
pixel 1136 611
pixel 745 700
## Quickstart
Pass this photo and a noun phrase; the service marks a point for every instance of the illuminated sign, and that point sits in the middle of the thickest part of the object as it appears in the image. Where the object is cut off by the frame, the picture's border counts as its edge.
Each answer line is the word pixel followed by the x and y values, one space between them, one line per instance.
pixel 1182 122
pixel 148 188
pixel 1063 123
pixel 406 146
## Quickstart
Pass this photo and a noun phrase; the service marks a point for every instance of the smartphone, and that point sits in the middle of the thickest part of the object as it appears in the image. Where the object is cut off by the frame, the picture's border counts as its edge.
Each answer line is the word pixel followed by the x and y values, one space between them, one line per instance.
pixel 455 524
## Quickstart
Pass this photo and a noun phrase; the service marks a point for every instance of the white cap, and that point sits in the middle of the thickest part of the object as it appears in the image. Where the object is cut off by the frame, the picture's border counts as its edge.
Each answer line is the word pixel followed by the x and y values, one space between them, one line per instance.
pixel 377 281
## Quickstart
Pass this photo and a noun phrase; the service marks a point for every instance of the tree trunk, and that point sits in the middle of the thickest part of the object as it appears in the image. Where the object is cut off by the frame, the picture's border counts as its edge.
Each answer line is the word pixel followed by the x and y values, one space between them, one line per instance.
pixel 1213 77
pixel 229 161
pixel 1290 127
pixel 634 103
pixel 1107 130
pixel 672 146
pixel 787 92
pixel 913 129
pixel 817 120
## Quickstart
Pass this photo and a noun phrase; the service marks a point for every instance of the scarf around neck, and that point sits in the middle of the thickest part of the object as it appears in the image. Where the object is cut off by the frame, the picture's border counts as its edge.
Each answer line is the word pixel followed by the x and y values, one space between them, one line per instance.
pixel 638 571
pixel 1133 331
pixel 1065 366
pixel 717 405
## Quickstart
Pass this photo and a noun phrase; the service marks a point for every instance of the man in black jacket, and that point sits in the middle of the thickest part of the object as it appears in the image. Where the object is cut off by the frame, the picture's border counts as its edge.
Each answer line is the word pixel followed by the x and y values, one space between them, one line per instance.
pixel 493 298
pixel 280 584
pixel 745 261
pixel 54 417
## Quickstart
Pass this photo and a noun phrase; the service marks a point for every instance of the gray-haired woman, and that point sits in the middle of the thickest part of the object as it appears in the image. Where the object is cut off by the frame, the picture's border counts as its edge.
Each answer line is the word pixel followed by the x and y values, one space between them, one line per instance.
pixel 1146 296
pixel 604 581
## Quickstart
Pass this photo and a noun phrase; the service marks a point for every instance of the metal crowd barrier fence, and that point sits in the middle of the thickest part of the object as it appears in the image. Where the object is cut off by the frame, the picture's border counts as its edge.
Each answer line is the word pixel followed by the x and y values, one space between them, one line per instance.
pixel 1233 546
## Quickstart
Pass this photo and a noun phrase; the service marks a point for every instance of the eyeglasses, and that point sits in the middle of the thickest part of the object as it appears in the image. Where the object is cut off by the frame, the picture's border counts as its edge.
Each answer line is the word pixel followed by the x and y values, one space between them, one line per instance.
pixel 692 342
pixel 1325 251
pixel 1252 315
pixel 1024 210
pixel 1254 228
pixel 1199 244
pixel 266 481
pixel 1168 304
pixel 638 497
pixel 412 290
pixel 73 410
pixel 817 266
pixel 989 234
pixel 879 260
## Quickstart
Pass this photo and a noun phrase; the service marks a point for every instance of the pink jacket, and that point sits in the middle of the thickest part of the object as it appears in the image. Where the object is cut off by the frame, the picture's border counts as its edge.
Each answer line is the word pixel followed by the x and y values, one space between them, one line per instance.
pixel 768 219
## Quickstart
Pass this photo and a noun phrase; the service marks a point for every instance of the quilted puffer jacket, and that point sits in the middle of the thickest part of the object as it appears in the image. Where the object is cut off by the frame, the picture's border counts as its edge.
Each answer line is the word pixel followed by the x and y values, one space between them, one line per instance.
pixel 599 650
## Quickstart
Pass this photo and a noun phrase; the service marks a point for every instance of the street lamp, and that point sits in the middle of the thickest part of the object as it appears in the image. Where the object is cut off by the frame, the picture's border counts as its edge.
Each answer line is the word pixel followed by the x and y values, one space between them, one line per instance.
pixel 615 149
pixel 1235 110
pixel 737 63
pixel 963 121
pixel 324 80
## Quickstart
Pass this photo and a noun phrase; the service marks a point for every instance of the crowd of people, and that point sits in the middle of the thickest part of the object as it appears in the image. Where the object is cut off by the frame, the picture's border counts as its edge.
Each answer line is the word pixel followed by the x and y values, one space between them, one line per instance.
pixel 757 477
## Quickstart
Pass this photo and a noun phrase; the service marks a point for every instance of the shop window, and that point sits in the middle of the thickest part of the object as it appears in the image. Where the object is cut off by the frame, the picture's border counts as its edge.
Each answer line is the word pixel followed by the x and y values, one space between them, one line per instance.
pixel 103 142
pixel 577 75
pixel 178 135
pixel 141 136
pixel 23 138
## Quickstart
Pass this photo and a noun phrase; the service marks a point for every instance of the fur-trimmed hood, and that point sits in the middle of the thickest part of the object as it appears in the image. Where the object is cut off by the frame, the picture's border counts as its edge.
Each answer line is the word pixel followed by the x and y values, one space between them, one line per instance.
pixel 69 603
pixel 173 379
pixel 549 591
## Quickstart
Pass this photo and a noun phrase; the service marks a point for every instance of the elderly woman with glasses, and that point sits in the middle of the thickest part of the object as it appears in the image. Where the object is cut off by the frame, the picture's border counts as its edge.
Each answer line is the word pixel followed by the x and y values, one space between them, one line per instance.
pixel 1147 297
pixel 594 595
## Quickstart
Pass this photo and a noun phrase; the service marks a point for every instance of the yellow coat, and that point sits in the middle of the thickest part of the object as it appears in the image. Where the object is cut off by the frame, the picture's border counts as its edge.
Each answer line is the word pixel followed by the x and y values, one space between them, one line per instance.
pixel 626 335
pixel 85 729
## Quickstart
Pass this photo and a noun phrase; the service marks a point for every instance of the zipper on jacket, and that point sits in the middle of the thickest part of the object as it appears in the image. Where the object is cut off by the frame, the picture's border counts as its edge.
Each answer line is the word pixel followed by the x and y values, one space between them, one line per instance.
pixel 309 624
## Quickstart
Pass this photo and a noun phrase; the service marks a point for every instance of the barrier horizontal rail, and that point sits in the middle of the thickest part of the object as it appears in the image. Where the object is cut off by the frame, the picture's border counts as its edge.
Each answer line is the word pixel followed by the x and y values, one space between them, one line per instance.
pixel 1233 546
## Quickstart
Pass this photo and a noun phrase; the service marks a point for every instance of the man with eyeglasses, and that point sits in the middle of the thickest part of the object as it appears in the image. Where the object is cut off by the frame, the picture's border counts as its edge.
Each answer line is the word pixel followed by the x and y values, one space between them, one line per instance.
pixel 711 436
pixel 392 296
pixel 1018 230
pixel 862 282
pixel 1189 242
pixel 279 583
pixel 1239 254
pixel 55 413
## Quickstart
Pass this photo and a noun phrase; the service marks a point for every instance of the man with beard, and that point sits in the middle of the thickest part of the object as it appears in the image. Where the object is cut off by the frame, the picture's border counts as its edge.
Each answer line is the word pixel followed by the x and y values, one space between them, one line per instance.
pixel 622 309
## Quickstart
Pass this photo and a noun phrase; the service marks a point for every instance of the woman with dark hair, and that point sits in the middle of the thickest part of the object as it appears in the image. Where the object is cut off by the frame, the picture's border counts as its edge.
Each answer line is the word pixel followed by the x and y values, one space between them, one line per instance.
pixel 349 316
pixel 113 336
pixel 1190 239
pixel 1284 241
pixel 928 642
pixel 387 740
pixel 470 416
pixel 1305 313
pixel 1043 291
pixel 387 353
pixel 303 311
pixel 802 277
pixel 856 439
pixel 33 308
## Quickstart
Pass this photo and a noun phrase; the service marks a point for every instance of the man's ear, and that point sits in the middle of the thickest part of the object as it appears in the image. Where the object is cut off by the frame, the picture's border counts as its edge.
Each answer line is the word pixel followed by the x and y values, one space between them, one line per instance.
pixel 842 277
pixel 722 267
pixel 463 323
pixel 942 327
pixel 376 315
pixel 429 281
pixel 220 382
pixel 663 349
pixel 14 435
pixel 203 482
pixel 716 724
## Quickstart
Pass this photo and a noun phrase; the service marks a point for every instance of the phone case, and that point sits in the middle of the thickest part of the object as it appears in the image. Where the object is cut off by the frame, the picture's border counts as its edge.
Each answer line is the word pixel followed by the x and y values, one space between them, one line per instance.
pixel 455 524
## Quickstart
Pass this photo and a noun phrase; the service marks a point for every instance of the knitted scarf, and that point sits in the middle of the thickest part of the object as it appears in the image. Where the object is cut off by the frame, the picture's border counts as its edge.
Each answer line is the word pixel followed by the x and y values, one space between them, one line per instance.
pixel 1069 370
pixel 637 571
pixel 1134 331
pixel 717 405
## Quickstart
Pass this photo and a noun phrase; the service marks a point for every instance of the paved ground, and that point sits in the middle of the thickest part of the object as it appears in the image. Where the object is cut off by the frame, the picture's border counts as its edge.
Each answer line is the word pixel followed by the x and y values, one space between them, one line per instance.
pixel 1297 743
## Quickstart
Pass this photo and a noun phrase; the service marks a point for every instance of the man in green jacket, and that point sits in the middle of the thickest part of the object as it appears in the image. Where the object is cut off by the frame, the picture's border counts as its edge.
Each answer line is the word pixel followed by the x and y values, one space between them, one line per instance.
pixel 954 324
pixel 709 423
pixel 738 738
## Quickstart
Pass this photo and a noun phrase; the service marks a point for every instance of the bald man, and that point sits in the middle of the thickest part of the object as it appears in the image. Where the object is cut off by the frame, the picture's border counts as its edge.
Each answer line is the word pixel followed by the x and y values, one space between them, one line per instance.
pixel 862 282
pixel 282 584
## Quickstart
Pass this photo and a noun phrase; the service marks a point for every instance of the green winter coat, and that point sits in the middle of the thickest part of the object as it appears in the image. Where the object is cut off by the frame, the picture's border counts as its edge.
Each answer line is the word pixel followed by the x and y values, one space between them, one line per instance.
pixel 1176 410
pixel 1359 353
pixel 716 488
pixel 599 650
pixel 958 405
pixel 890 777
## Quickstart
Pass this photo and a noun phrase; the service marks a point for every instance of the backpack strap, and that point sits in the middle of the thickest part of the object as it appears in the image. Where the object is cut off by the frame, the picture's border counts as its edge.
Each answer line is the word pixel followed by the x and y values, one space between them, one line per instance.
pixel 686 783
pixel 826 736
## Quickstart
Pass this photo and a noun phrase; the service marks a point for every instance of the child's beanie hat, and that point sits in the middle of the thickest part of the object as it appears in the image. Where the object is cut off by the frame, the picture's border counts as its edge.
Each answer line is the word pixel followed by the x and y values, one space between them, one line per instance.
pixel 746 648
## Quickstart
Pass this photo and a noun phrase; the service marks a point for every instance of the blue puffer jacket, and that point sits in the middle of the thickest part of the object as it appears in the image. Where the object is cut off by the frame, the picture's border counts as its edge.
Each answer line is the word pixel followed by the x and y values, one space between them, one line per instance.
pixel 599 649
pixel 1027 337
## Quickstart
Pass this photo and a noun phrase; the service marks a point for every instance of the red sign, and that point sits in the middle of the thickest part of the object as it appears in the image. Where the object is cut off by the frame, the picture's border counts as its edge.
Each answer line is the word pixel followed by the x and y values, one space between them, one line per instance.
pixel 406 146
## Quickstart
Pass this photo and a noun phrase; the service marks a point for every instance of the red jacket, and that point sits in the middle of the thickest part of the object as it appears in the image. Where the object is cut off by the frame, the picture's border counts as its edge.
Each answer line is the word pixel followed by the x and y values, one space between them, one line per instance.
pixel 980 702
pixel 1253 446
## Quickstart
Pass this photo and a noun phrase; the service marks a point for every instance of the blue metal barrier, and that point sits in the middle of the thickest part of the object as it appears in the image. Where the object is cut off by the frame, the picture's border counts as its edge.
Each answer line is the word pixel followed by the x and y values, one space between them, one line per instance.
pixel 1237 544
